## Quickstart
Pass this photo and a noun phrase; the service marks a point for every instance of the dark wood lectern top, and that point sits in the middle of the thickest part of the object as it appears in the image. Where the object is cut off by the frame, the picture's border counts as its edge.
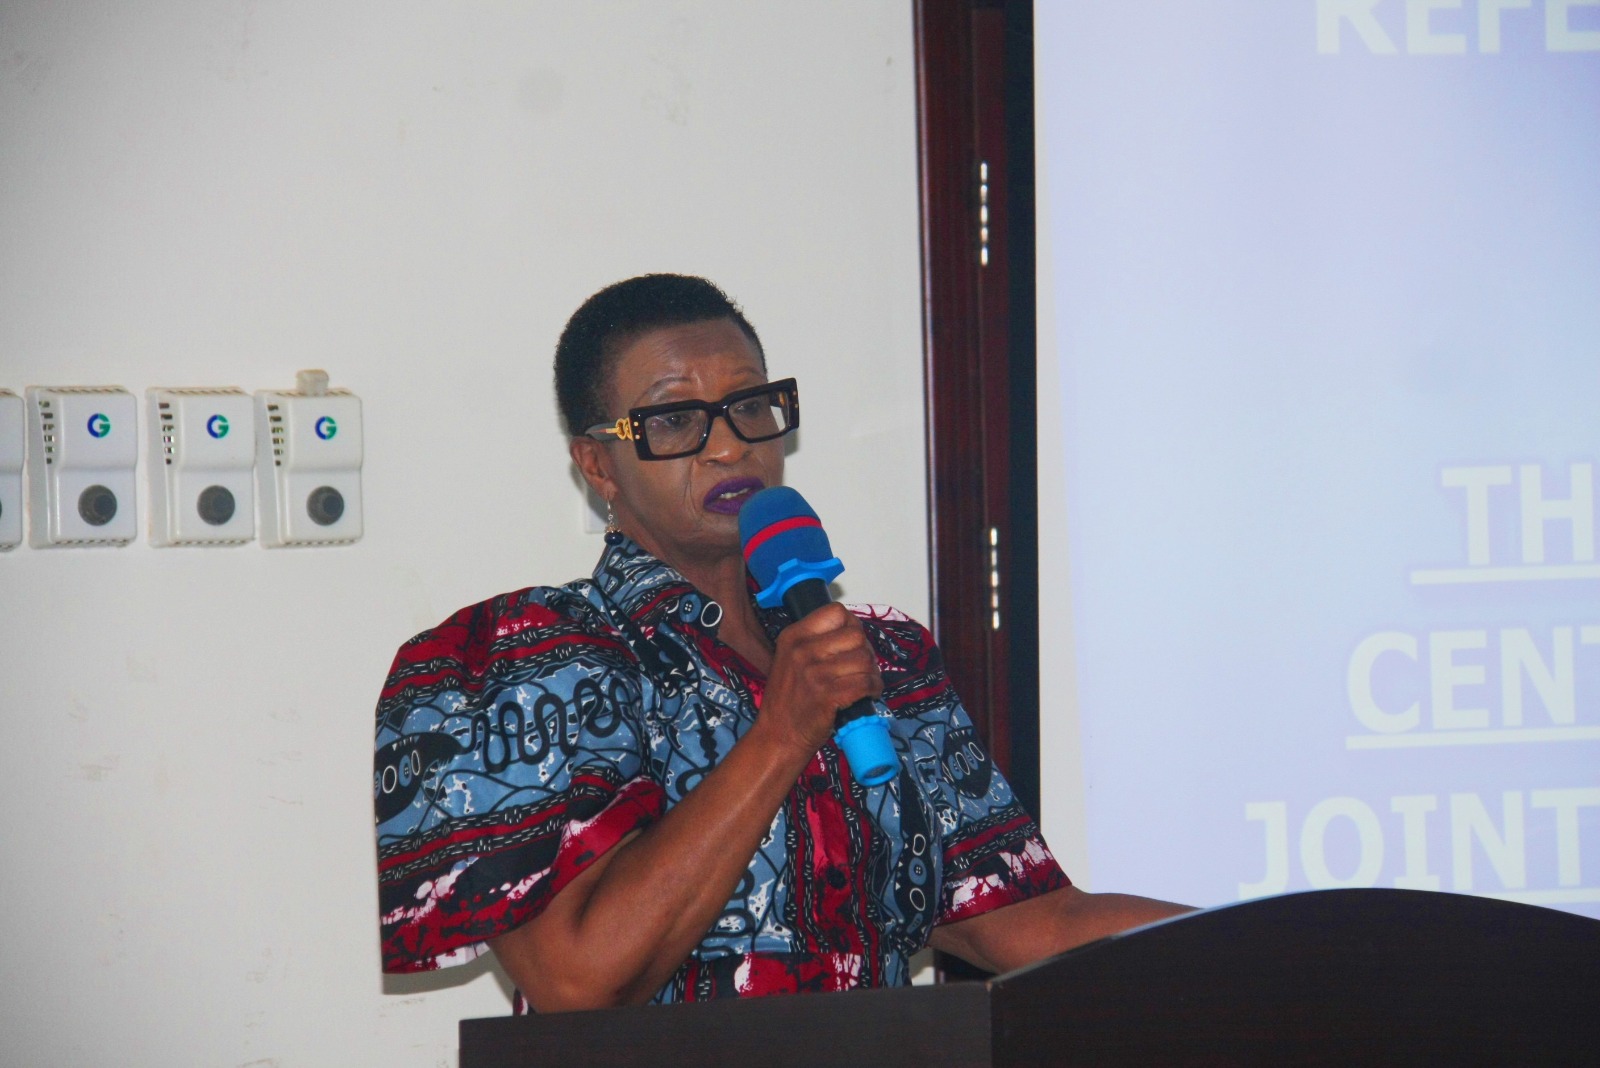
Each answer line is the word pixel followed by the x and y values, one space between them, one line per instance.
pixel 1330 977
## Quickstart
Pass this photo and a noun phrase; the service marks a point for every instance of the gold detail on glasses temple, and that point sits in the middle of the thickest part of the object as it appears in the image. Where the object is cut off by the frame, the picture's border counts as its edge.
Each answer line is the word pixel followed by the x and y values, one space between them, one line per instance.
pixel 623 430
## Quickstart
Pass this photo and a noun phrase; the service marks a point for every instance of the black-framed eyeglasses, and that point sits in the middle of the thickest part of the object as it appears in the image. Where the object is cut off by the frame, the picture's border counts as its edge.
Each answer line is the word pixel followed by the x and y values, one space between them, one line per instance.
pixel 682 428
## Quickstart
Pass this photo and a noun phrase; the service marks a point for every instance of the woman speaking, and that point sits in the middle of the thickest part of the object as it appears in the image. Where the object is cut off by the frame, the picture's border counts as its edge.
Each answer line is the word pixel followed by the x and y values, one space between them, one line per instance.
pixel 627 787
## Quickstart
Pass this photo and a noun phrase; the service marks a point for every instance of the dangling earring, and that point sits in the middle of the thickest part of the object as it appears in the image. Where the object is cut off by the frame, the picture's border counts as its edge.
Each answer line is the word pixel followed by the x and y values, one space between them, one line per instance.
pixel 613 532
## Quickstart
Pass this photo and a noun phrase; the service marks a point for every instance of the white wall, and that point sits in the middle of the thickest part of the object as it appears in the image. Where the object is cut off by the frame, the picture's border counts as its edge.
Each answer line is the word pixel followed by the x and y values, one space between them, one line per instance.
pixel 1063 793
pixel 413 197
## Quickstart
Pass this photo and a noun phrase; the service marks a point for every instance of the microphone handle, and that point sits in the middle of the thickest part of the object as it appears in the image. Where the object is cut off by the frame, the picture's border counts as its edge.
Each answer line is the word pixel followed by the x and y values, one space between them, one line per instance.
pixel 803 598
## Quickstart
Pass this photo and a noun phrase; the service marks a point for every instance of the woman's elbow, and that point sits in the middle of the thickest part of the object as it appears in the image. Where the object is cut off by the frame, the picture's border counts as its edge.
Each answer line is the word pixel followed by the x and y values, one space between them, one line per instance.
pixel 570 994
pixel 565 988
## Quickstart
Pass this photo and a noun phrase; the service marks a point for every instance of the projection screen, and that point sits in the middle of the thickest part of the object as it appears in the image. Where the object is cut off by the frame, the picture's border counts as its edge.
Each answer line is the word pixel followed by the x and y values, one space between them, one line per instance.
pixel 1319 426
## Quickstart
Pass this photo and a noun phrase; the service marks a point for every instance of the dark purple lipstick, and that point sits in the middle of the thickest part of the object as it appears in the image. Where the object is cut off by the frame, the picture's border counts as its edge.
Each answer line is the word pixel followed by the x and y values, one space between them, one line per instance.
pixel 728 496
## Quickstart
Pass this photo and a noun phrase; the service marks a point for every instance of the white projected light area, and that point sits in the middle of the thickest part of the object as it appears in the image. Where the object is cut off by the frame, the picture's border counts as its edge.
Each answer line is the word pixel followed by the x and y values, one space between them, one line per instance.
pixel 1320 339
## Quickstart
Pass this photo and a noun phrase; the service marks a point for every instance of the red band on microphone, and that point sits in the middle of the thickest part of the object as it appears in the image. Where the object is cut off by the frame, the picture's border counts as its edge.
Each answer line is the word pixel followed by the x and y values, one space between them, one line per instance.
pixel 772 530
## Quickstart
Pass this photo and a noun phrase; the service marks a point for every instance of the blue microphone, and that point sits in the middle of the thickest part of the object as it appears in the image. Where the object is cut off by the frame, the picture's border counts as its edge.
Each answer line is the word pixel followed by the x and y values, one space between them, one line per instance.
pixel 787 552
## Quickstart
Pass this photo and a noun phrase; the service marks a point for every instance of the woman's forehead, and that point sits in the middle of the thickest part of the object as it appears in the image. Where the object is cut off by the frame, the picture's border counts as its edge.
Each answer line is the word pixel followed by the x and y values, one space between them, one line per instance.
pixel 685 360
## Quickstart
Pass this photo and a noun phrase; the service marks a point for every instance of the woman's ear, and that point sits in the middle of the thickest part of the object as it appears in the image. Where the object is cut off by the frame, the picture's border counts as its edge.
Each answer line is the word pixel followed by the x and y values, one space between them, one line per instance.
pixel 594 465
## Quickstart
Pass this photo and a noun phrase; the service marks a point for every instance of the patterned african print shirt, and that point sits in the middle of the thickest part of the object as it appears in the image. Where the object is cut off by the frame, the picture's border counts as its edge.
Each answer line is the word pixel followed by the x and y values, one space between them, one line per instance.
pixel 526 735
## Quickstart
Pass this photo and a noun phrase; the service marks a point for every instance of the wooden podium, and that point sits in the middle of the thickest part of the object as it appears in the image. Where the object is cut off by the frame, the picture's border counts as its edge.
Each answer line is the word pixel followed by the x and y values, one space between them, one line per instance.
pixel 1348 977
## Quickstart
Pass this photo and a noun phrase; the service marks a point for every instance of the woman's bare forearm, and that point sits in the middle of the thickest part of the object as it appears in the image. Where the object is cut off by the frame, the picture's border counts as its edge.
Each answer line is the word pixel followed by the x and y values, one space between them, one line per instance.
pixel 1041 927
pixel 617 933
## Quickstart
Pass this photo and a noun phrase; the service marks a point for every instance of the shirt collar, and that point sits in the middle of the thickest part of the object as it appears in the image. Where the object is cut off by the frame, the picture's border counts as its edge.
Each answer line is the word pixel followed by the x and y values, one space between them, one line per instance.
pixel 645 588
pixel 638 583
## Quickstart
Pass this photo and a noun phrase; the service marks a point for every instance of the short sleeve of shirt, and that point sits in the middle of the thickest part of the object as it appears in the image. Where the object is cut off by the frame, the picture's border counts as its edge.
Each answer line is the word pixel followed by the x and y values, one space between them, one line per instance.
pixel 509 755
pixel 991 851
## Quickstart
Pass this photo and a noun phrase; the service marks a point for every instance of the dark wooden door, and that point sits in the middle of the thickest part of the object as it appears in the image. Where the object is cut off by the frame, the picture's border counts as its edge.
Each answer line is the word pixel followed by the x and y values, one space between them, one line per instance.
pixel 975 96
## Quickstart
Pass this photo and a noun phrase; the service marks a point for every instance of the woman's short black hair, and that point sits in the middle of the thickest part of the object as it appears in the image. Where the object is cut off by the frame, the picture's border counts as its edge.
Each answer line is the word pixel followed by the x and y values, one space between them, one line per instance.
pixel 610 320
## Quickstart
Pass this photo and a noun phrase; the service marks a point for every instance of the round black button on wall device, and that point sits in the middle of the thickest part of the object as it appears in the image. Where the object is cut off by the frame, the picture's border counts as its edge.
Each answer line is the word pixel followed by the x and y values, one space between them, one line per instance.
pixel 216 505
pixel 97 505
pixel 325 506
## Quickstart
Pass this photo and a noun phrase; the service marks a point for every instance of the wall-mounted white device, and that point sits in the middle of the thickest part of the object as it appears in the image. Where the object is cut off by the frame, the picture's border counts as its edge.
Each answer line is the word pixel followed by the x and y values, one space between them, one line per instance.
pixel 13 433
pixel 201 451
pixel 308 463
pixel 83 446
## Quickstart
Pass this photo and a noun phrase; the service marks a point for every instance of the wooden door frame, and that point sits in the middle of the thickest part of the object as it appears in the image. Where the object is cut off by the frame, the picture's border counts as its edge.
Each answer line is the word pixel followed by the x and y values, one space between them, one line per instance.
pixel 975 165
